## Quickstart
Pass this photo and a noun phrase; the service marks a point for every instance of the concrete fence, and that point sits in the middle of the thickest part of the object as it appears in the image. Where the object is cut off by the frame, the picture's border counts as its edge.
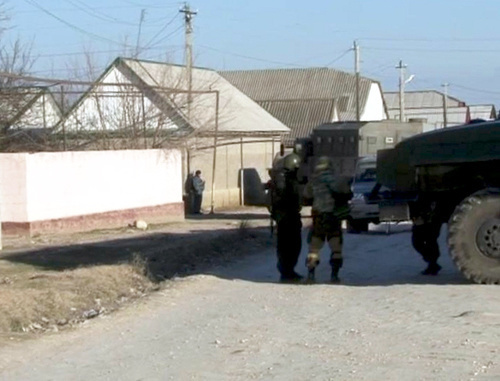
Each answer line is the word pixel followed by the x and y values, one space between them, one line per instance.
pixel 76 191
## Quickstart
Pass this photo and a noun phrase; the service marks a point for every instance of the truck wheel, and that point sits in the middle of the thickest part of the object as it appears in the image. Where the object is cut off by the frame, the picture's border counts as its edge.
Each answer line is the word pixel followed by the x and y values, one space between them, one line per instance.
pixel 474 237
pixel 357 226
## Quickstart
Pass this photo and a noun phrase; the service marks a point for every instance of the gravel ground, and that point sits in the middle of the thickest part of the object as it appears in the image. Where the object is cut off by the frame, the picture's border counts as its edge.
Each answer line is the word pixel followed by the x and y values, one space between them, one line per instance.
pixel 384 322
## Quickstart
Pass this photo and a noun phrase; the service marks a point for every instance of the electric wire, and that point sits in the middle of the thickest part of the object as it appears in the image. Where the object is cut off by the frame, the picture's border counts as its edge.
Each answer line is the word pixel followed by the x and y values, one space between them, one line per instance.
pixel 99 15
pixel 161 30
pixel 72 26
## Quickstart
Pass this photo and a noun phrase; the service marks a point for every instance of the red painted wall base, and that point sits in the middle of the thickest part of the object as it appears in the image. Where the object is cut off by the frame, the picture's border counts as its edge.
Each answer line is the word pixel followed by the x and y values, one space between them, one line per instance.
pixel 107 220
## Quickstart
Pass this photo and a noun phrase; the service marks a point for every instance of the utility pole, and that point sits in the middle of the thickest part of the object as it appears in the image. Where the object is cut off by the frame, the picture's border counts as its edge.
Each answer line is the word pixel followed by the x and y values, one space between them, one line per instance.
pixel 356 70
pixel 141 20
pixel 402 82
pixel 188 18
pixel 445 105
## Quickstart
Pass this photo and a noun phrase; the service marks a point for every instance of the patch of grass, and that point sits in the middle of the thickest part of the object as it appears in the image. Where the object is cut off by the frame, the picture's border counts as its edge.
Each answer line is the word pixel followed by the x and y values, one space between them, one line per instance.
pixel 36 301
pixel 56 288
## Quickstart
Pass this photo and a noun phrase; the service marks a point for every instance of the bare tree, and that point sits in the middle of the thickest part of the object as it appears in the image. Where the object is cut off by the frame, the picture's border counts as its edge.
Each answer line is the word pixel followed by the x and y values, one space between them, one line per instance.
pixel 127 110
pixel 15 57
pixel 16 95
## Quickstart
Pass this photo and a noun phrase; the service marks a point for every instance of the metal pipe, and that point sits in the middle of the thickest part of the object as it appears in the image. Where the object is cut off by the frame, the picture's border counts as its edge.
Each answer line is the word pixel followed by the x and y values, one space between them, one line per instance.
pixel 214 163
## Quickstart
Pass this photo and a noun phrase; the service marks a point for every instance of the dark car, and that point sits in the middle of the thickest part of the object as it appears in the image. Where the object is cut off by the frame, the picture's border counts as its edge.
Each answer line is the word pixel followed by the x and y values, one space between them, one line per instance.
pixel 362 212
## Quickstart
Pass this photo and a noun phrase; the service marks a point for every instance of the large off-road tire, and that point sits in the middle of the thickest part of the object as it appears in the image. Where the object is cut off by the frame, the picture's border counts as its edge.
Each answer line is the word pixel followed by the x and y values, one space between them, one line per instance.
pixel 474 237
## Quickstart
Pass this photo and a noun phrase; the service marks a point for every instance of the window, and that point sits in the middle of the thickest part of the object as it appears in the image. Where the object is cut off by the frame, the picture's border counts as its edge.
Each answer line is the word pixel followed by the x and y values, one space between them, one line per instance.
pixel 389 140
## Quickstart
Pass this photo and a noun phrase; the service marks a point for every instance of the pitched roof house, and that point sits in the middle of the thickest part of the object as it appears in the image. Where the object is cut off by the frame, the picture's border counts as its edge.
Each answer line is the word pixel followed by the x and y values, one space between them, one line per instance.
pixel 28 108
pixel 429 106
pixel 155 96
pixel 305 98
pixel 486 112
pixel 149 102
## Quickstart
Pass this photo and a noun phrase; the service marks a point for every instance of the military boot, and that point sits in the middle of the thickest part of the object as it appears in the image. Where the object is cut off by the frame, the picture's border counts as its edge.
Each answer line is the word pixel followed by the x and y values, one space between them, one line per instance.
pixel 311 262
pixel 432 269
pixel 336 266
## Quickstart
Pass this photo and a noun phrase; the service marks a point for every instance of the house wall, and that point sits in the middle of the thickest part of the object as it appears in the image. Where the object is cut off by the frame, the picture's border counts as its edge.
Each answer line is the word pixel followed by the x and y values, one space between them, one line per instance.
pixel 434 117
pixel 43 113
pixel 257 158
pixel 88 190
pixel 13 187
pixel 374 107
pixel 113 107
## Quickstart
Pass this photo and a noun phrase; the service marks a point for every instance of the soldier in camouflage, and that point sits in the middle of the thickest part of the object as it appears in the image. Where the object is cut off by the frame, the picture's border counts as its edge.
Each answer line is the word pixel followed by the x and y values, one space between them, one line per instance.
pixel 330 197
pixel 427 221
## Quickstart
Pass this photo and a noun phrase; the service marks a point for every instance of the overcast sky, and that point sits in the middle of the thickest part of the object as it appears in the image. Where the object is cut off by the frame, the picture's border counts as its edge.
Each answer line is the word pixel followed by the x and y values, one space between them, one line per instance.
pixel 457 41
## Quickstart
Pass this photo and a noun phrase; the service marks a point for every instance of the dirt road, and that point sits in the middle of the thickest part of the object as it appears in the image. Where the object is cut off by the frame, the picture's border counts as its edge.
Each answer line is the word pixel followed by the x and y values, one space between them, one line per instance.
pixel 385 322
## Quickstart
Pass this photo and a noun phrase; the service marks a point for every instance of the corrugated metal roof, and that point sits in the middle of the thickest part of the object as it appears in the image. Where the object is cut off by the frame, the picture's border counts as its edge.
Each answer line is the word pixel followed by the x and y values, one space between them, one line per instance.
pixel 237 112
pixel 486 112
pixel 302 98
pixel 420 99
pixel 301 116
pixel 341 126
pixel 286 84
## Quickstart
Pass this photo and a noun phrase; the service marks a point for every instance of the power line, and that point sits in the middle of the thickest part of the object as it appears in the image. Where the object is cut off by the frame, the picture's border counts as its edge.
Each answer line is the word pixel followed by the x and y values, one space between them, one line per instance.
pixel 35 4
pixel 96 8
pixel 99 15
pixel 173 33
pixel 339 57
pixel 433 50
pixel 433 39
pixel 249 57
pixel 162 30
pixel 171 5
pixel 473 89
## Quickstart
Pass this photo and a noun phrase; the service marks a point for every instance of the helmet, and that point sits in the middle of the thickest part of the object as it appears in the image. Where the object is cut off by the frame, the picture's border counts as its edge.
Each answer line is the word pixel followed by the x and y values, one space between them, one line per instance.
pixel 323 163
pixel 291 162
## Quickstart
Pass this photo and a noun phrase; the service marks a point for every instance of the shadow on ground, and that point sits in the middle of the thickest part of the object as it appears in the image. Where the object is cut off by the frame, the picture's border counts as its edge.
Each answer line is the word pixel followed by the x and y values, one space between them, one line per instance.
pixel 165 254
pixel 228 216
pixel 371 259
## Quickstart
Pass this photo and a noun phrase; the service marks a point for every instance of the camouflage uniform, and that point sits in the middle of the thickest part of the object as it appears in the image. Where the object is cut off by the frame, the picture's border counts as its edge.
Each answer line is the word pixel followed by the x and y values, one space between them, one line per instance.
pixel 426 228
pixel 329 207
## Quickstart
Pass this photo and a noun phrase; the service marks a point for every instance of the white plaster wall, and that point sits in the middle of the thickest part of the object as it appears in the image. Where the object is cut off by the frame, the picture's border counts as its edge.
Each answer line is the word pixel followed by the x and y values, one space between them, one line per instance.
pixel 67 184
pixel 112 107
pixel 374 108
pixel 13 187
pixel 37 117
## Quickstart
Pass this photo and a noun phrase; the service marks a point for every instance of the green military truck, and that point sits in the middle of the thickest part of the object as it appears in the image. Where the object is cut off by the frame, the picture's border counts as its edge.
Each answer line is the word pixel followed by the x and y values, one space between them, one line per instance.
pixel 458 169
